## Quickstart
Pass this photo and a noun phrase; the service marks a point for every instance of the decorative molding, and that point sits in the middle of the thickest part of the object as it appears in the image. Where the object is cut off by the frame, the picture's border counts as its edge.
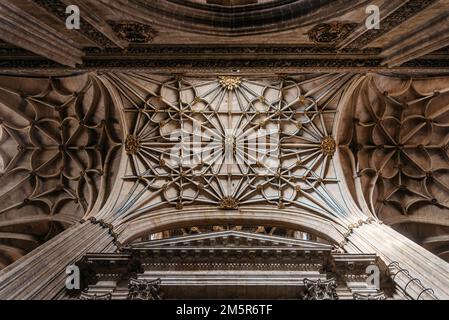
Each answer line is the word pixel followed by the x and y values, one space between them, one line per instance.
pixel 57 8
pixel 433 66
pixel 405 12
pixel 232 2
pixel 378 296
pixel 234 265
pixel 108 226
pixel 226 252
pixel 228 50
pixel 353 226
pixel 205 64
pixel 216 59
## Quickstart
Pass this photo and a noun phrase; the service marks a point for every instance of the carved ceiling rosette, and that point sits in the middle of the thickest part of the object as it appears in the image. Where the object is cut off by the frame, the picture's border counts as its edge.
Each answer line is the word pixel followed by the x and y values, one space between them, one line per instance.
pixel 230 141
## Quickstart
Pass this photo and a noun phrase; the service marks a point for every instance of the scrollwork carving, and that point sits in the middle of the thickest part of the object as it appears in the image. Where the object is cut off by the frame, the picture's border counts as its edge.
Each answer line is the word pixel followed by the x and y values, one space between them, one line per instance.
pixel 134 32
pixel 144 289
pixel 331 32
pixel 320 290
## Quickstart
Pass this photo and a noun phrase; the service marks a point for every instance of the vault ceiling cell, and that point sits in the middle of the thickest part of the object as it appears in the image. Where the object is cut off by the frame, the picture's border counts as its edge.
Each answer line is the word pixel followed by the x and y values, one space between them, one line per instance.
pixel 230 141
pixel 58 143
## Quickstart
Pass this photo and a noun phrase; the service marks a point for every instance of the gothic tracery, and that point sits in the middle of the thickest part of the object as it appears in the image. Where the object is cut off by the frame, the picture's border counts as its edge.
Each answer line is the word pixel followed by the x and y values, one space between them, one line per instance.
pixel 231 141
pixel 173 149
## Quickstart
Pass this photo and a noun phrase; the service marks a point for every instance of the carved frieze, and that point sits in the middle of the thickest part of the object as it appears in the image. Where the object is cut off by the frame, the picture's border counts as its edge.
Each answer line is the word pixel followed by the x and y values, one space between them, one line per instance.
pixel 402 14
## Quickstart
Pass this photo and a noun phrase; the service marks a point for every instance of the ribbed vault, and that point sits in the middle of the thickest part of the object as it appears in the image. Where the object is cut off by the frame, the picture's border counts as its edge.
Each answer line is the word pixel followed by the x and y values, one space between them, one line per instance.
pixel 191 154
pixel 400 140
pixel 58 138
pixel 228 142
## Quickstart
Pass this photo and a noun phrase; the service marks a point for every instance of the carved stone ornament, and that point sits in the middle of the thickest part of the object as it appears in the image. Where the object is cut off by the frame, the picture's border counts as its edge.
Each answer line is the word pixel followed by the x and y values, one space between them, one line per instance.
pixel 94 296
pixel 331 32
pixel 133 32
pixel 229 203
pixel 229 82
pixel 144 290
pixel 328 146
pixel 132 144
pixel 320 290
pixel 377 296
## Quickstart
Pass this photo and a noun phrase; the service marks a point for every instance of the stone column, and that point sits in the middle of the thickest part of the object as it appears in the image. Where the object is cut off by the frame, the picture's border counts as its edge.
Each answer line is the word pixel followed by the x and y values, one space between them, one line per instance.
pixel 41 274
pixel 416 271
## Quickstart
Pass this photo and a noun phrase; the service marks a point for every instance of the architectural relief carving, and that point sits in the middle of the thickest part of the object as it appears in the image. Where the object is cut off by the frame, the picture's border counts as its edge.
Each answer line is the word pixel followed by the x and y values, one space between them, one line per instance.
pixel 144 289
pixel 107 29
pixel 132 144
pixel 379 296
pixel 328 146
pixel 230 83
pixel 331 32
pixel 320 290
pixel 57 8
pixel 216 258
pixel 94 296
pixel 406 11
pixel 134 32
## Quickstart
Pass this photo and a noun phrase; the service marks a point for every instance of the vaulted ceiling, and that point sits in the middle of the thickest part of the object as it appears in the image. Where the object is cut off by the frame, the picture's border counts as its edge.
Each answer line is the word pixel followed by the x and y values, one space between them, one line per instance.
pixel 58 144
pixel 263 64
